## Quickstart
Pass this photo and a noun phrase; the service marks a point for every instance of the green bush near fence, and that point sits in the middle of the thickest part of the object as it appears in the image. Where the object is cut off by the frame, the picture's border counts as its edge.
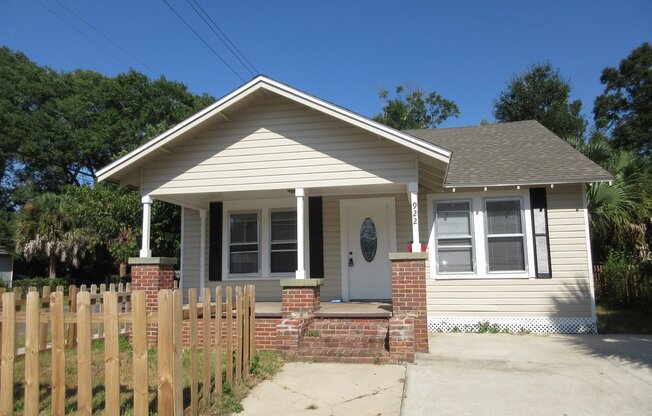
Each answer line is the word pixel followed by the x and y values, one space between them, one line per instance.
pixel 622 281
pixel 39 283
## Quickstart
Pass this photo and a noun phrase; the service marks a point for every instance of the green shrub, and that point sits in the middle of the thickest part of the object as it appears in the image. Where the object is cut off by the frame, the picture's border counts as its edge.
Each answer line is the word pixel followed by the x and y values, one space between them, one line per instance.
pixel 39 283
pixel 624 281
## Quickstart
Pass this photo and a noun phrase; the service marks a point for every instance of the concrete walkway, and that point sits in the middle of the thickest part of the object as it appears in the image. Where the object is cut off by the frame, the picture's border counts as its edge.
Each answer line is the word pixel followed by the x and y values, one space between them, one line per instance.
pixel 502 374
pixel 329 389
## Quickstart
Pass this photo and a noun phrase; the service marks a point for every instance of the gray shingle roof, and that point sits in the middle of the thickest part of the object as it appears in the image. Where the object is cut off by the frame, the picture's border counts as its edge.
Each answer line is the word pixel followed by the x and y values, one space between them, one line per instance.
pixel 517 153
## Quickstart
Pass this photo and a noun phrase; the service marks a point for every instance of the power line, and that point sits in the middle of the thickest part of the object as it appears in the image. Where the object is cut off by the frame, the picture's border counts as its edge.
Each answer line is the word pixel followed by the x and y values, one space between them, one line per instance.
pixel 222 38
pixel 203 41
pixel 83 34
pixel 107 38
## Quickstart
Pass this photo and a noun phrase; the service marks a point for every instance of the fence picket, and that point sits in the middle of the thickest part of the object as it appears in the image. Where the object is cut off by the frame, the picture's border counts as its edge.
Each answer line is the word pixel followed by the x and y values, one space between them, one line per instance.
pixel 43 341
pixel 245 329
pixel 72 329
pixel 218 341
pixel 238 325
pixel 206 348
pixel 139 339
pixel 229 336
pixel 165 354
pixel 8 355
pixel 192 308
pixel 58 355
pixel 84 375
pixel 252 323
pixel 111 354
pixel 31 354
pixel 177 339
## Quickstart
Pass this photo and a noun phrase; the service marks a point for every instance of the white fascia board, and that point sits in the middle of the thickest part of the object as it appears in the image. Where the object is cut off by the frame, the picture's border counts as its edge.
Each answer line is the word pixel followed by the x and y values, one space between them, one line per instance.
pixel 291 93
pixel 543 183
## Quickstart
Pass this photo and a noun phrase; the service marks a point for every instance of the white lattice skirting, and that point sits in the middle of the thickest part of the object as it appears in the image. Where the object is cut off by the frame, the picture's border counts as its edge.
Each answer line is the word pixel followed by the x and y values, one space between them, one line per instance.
pixel 537 325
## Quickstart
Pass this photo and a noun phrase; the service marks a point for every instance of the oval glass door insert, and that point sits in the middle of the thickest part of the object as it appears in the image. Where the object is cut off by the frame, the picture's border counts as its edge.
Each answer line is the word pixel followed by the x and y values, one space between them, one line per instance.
pixel 368 239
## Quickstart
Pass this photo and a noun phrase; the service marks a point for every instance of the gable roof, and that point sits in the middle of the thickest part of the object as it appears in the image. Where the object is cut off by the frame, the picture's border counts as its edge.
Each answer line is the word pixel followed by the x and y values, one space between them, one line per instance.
pixel 517 153
pixel 257 84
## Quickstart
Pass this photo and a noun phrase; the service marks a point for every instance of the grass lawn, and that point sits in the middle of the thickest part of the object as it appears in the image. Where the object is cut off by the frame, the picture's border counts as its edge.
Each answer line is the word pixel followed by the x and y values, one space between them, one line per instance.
pixel 613 320
pixel 264 365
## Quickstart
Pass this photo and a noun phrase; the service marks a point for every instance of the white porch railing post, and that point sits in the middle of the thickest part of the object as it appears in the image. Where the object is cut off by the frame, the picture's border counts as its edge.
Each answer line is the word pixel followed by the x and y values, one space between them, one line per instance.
pixel 147 220
pixel 413 190
pixel 202 250
pixel 301 270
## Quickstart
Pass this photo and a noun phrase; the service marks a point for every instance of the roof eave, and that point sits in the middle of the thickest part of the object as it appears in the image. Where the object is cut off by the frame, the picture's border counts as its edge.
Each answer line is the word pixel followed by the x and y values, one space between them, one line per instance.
pixel 526 183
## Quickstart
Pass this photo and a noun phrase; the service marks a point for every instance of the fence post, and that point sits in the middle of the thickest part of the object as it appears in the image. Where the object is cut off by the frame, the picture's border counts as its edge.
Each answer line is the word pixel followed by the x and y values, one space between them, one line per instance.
pixel 8 355
pixel 31 353
pixel 111 354
pixel 165 354
pixel 84 374
pixel 58 355
pixel 245 331
pixel 218 341
pixel 192 308
pixel 206 348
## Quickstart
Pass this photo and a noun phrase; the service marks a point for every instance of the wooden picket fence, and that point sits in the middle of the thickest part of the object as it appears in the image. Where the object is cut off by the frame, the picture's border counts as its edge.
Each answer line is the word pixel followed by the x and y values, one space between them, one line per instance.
pixel 57 323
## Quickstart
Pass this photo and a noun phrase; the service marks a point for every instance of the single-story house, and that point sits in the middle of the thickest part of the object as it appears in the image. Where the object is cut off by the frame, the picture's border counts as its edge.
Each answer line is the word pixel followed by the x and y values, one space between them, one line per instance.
pixel 6 265
pixel 275 183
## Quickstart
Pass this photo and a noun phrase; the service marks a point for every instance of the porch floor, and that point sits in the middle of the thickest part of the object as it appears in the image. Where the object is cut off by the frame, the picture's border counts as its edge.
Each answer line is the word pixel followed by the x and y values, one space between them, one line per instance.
pixel 334 310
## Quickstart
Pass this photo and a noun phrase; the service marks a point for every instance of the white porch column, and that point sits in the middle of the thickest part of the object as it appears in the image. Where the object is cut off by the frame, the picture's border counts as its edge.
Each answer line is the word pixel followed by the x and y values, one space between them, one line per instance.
pixel 202 250
pixel 147 220
pixel 413 191
pixel 301 269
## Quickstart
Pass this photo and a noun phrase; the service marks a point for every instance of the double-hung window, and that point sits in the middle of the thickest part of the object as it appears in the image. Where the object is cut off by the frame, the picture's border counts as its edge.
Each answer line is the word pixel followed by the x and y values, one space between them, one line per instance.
pixel 482 235
pixel 505 235
pixel 454 224
pixel 244 248
pixel 283 244
pixel 261 239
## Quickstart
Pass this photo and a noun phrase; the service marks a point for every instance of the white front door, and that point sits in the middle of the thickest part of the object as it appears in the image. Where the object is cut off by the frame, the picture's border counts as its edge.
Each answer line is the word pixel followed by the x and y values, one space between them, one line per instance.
pixel 368 234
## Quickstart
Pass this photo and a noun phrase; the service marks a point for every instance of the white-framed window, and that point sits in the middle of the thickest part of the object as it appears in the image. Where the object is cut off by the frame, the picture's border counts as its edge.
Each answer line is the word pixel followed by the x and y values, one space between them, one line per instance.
pixel 480 235
pixel 505 235
pixel 244 242
pixel 283 241
pixel 261 239
pixel 454 238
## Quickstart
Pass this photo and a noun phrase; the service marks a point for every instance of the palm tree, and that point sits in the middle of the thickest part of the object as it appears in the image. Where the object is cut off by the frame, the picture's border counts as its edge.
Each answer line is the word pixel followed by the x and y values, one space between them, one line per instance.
pixel 47 227
pixel 619 210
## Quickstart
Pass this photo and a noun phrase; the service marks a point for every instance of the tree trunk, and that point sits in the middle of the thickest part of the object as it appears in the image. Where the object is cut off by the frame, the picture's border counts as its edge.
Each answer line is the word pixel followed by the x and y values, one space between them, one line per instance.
pixel 53 267
pixel 123 269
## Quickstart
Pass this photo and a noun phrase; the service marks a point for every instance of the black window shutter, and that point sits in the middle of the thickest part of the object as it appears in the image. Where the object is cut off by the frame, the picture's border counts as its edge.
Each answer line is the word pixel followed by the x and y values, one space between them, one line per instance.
pixel 316 236
pixel 539 205
pixel 215 242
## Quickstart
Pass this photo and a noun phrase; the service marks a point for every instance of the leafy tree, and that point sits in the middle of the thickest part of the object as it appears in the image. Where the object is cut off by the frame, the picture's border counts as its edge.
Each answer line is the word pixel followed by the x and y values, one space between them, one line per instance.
pixel 619 211
pixel 541 93
pixel 416 110
pixel 47 227
pixel 625 106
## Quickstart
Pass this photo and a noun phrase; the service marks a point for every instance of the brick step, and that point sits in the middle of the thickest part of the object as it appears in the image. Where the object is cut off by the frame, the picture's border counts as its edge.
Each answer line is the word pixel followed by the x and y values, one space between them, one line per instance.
pixel 349 354
pixel 344 341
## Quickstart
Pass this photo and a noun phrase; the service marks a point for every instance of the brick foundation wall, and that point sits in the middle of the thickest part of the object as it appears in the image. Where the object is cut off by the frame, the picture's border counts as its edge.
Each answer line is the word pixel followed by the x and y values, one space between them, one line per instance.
pixel 409 294
pixel 265 333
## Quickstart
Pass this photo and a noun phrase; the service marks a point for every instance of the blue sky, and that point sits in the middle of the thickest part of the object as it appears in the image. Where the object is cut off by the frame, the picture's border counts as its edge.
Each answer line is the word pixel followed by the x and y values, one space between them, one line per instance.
pixel 342 51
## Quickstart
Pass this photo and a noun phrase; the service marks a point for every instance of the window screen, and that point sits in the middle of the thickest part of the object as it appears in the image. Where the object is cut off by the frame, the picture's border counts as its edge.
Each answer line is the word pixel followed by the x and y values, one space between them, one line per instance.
pixel 283 242
pixel 243 244
pixel 505 236
pixel 454 229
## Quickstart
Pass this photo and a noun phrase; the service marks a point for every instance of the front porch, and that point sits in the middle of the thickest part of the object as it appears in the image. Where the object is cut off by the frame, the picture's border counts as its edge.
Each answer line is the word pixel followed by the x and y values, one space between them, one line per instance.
pixel 332 310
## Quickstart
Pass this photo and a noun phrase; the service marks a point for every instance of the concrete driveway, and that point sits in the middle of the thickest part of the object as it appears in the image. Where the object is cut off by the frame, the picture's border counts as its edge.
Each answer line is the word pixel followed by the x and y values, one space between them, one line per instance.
pixel 502 374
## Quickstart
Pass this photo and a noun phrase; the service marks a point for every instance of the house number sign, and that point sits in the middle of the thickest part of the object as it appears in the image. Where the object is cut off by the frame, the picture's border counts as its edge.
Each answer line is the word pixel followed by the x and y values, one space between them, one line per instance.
pixel 415 213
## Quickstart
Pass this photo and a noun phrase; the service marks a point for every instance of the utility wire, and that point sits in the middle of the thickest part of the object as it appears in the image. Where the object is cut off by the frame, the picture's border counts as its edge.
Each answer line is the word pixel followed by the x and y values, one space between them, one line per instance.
pixel 107 38
pixel 203 41
pixel 224 38
pixel 83 34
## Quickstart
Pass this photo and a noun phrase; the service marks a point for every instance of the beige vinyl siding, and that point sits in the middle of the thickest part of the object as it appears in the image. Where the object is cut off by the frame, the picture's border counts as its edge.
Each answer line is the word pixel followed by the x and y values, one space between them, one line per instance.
pixel 277 144
pixel 566 294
